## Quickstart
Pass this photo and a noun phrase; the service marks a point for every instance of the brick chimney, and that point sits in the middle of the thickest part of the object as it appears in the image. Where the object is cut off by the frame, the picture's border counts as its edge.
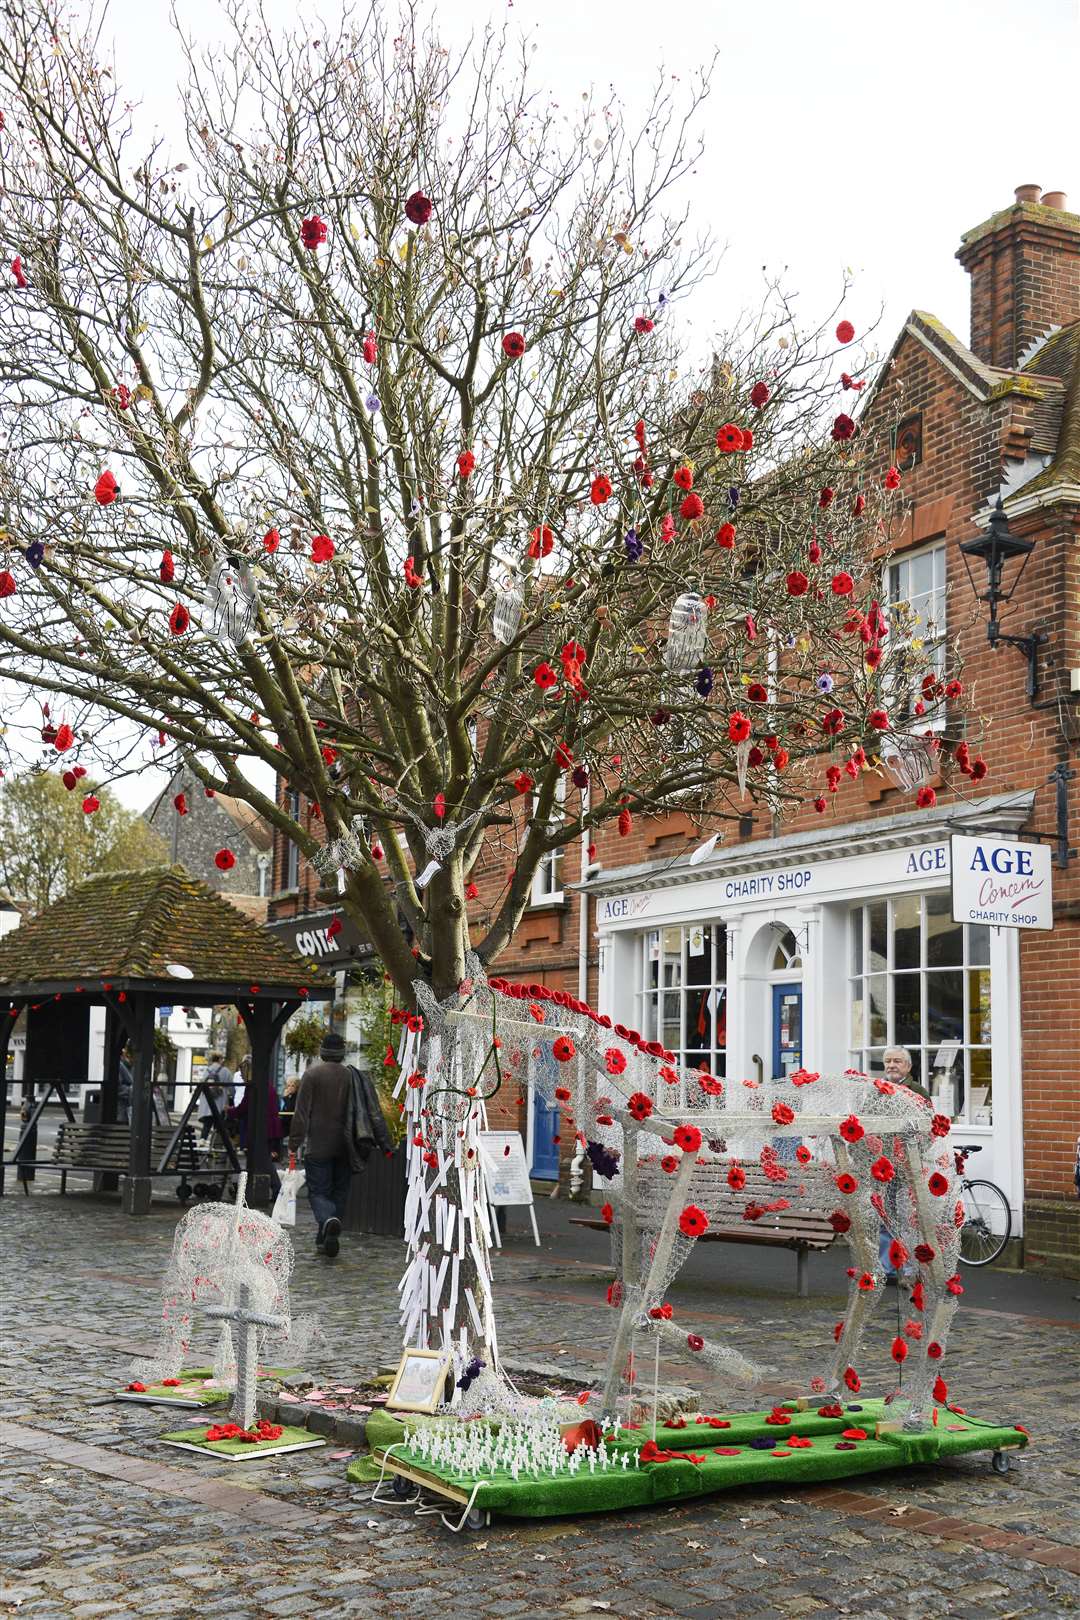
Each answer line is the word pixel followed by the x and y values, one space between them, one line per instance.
pixel 1024 265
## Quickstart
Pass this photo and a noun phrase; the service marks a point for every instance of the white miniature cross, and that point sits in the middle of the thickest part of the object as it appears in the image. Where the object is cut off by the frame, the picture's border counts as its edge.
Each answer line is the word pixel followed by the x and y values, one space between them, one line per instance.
pixel 246 1322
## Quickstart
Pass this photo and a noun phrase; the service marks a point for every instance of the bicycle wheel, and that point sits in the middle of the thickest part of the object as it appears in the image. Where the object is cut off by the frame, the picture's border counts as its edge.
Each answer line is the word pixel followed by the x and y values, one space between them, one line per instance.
pixel 987 1223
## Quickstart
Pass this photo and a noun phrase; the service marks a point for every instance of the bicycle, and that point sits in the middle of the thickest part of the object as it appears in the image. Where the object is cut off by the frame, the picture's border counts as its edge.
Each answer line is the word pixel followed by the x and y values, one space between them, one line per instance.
pixel 987 1216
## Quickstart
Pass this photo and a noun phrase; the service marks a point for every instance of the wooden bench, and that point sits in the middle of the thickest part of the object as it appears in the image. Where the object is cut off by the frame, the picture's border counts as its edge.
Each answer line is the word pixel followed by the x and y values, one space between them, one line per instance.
pixel 796 1229
pixel 104 1149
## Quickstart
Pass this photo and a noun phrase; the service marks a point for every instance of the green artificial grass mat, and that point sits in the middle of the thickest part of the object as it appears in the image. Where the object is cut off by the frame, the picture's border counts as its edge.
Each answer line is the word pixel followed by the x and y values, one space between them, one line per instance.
pixel 587 1492
pixel 235 1448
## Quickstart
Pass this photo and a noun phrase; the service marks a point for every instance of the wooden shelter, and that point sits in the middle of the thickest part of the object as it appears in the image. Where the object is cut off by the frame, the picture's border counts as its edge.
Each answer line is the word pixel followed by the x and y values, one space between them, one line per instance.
pixel 133 942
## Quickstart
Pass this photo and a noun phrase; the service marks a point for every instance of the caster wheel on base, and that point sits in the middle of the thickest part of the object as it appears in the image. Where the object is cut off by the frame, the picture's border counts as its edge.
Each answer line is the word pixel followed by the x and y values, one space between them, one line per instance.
pixel 477 1519
pixel 999 1462
pixel 402 1487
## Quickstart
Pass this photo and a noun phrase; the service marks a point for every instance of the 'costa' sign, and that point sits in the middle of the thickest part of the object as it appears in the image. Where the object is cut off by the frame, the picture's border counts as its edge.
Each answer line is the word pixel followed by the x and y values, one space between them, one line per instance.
pixel 1001 882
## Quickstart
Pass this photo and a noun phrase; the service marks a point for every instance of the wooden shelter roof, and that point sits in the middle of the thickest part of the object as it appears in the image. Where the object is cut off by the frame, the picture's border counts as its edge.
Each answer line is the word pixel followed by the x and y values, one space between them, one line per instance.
pixel 127 928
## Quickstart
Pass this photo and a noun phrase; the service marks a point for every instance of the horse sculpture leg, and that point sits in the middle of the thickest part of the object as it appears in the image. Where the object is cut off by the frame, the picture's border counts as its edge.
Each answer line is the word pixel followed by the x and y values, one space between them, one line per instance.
pixel 861 1303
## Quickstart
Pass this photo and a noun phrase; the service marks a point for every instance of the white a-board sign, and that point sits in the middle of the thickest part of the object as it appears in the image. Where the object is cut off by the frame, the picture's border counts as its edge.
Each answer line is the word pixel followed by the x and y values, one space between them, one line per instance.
pixel 507 1171
pixel 998 881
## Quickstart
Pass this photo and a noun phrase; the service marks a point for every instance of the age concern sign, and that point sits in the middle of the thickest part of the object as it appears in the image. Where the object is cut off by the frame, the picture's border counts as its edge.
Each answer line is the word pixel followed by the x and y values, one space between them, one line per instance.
pixel 995 880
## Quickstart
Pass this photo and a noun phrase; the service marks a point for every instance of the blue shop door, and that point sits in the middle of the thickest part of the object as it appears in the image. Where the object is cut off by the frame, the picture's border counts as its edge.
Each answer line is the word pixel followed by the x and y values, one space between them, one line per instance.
pixel 545 1149
pixel 787 1029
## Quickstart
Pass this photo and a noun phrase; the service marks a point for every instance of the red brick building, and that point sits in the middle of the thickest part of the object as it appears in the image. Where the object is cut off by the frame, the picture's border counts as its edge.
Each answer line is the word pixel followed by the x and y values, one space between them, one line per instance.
pixel 825 940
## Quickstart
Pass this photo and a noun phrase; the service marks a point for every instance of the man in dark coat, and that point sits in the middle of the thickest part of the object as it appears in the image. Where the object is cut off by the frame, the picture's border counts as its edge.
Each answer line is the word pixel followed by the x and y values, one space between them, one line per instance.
pixel 337 1120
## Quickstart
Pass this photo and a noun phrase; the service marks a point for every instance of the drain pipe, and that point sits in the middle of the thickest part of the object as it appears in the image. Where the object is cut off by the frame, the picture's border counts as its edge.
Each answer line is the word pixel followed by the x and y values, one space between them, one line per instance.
pixel 577 1163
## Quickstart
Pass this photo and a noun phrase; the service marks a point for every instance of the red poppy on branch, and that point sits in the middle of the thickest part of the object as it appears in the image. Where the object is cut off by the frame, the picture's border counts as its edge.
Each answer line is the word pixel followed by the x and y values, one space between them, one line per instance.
pixel 313 233
pixel 693 1221
pixel 729 438
pixel 692 507
pixel 600 490
pixel 322 548
pixel 513 345
pixel 179 619
pixel 688 1137
pixel 563 1049
pixel 106 489
pixel 639 1105
pixel 418 208
pixel 224 860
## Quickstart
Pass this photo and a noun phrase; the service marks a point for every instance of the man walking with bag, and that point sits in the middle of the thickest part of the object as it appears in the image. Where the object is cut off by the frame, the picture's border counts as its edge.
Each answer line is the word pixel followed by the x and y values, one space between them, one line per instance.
pixel 338 1121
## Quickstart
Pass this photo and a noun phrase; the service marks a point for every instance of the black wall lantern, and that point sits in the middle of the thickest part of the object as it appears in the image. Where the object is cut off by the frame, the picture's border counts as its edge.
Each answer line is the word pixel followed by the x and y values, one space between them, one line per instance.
pixel 997 548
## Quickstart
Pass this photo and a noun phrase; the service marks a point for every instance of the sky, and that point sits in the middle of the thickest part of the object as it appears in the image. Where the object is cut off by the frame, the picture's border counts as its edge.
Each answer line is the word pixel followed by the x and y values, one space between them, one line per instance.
pixel 862 138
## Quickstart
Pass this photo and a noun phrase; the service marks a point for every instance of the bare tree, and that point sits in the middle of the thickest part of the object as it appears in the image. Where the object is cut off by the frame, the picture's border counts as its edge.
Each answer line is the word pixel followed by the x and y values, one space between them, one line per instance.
pixel 367 441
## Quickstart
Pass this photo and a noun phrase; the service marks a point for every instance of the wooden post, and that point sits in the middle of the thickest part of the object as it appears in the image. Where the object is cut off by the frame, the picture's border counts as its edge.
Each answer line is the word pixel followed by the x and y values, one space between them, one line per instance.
pixel 263 1021
pixel 138 1185
pixel 115 1036
pixel 8 1016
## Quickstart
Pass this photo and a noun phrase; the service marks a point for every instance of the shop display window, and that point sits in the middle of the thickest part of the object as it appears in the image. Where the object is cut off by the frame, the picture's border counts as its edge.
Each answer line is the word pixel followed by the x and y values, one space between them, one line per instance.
pixel 918 979
pixel 682 995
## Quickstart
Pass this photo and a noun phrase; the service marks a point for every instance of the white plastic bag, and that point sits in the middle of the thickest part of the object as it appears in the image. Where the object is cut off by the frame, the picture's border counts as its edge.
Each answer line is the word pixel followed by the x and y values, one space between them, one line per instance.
pixel 284 1211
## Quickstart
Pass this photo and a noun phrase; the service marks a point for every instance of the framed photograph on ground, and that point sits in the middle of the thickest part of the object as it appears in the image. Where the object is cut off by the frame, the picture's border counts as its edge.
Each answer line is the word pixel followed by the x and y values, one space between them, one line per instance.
pixel 419 1381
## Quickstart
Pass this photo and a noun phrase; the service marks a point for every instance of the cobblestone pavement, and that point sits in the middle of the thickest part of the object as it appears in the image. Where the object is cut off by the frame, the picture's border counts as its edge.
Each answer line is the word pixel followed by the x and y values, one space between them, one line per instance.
pixel 102 1522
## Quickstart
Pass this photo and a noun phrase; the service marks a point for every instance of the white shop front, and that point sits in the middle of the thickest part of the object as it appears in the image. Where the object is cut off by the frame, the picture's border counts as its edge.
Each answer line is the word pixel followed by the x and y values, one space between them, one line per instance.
pixel 821 950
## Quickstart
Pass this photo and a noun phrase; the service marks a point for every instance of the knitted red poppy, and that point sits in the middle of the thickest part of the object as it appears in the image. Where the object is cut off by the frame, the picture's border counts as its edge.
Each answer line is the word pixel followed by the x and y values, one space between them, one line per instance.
pixel 541 541
pixel 782 1114
pixel 850 1129
pixel 600 491
pixel 418 208
pixel 563 1049
pixel 759 395
pixel 938 1185
pixel 729 438
pixel 725 536
pixel 692 508
pixel 693 1221
pixel 739 727
pixel 688 1137
pixel 106 489
pixel 883 1169
pixel 7 583
pixel 466 463
pixel 797 583
pixel 639 1105
pixel 224 860
pixel 179 619
pixel 736 1178
pixel 513 345
pixel 845 332
pixel 846 1183
pixel 322 548
pixel 313 232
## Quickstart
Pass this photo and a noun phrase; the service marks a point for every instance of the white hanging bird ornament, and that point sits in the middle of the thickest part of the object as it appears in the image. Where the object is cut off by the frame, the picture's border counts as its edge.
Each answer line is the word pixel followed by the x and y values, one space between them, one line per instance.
pixel 687 632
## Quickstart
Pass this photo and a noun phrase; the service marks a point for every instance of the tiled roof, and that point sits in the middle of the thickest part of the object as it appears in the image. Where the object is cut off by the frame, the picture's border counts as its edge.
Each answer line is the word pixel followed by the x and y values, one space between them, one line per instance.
pixel 255 828
pixel 1060 357
pixel 131 925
